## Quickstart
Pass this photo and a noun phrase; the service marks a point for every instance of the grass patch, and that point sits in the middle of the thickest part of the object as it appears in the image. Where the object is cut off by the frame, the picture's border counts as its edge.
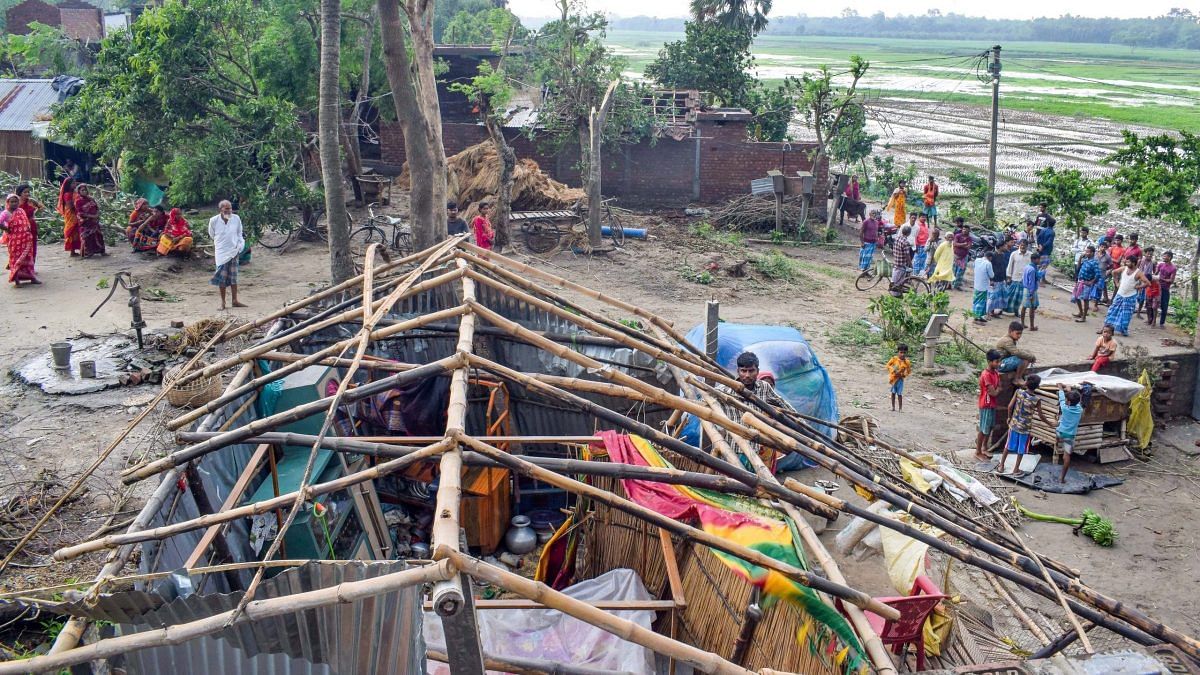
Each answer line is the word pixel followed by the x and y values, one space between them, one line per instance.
pixel 957 386
pixel 856 333
pixel 777 267
pixel 826 270
pixel 159 295
pixel 710 233
pixel 703 277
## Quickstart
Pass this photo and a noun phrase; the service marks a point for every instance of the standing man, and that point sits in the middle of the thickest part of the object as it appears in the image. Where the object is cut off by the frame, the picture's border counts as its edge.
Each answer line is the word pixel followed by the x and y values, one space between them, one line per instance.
pixel 1166 276
pixel 1045 240
pixel 870 235
pixel 961 242
pixel 931 196
pixel 225 230
pixel 454 223
pixel 1086 275
pixel 902 256
pixel 983 283
pixel 1081 245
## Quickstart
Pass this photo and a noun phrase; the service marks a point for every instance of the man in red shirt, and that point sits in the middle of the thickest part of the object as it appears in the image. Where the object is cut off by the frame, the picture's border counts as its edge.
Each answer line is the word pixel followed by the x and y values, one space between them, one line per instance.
pixel 989 387
pixel 930 196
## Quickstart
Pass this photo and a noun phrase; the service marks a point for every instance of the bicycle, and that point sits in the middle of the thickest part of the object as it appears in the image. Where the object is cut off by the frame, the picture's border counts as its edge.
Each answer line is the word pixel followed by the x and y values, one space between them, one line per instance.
pixel 372 232
pixel 882 269
pixel 275 239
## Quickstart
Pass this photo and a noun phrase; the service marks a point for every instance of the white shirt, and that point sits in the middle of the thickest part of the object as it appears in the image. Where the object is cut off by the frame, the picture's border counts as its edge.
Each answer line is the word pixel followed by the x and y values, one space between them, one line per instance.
pixel 1080 247
pixel 983 274
pixel 227 237
pixel 1128 284
pixel 1016 264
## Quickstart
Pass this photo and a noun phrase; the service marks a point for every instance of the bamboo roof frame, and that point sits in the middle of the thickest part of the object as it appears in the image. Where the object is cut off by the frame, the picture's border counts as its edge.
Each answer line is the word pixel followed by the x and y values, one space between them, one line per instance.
pixel 460 265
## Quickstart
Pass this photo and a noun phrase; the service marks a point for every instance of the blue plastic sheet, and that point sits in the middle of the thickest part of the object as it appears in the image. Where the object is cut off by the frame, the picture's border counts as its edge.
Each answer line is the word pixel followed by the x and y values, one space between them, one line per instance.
pixel 782 350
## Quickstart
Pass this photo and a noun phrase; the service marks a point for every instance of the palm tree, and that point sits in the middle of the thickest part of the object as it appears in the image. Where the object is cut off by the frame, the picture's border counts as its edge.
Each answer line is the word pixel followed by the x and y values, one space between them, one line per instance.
pixel 748 15
pixel 329 118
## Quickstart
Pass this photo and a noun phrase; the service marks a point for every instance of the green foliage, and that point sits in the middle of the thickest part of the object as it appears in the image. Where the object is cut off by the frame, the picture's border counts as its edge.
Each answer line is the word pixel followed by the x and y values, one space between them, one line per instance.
pixel 851 143
pixel 1068 193
pixel 776 266
pixel 445 11
pixel 958 386
pixel 1183 313
pixel 747 15
pixel 1138 360
pixel 904 318
pixel 1161 175
pixel 885 176
pixel 487 27
pixel 171 98
pixel 856 334
pixel 706 231
pixel 703 277
pixel 711 58
pixel 834 112
pixel 45 49
pixel 971 207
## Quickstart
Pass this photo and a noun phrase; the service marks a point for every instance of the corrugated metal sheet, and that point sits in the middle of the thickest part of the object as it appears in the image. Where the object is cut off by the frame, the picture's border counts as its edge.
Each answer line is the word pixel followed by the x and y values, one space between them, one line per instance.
pixel 24 102
pixel 377 635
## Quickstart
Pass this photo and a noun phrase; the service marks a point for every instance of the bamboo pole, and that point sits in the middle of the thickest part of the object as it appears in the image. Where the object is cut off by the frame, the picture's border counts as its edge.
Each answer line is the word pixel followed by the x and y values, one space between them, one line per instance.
pixel 734 471
pixel 524 665
pixel 698 659
pixel 1017 609
pixel 270 345
pixel 308 491
pixel 796 574
pixel 308 360
pixel 270 423
pixel 231 500
pixel 107 451
pixel 346 592
pixel 369 362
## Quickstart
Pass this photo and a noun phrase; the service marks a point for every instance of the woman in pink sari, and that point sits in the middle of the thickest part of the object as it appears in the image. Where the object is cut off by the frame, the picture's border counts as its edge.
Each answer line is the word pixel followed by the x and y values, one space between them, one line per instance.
pixel 19 239
pixel 91 235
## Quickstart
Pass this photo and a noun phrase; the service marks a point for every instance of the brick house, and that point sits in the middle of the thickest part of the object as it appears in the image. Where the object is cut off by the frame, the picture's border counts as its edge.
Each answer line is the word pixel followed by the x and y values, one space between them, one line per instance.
pixel 77 19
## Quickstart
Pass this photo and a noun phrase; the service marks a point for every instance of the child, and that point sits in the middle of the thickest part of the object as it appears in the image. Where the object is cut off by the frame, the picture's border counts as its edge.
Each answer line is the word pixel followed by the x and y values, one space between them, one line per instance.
pixel 899 367
pixel 1021 409
pixel 1086 275
pixel 1069 412
pixel 1029 280
pixel 989 387
pixel 485 236
pixel 1106 348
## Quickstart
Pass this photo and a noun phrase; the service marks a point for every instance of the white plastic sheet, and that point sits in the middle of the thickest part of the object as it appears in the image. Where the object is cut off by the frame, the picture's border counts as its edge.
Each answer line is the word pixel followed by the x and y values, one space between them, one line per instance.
pixel 553 636
pixel 1118 389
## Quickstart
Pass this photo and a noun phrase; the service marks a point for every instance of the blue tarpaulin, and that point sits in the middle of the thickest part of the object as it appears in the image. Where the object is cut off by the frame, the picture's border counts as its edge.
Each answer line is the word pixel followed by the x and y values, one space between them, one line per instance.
pixel 782 350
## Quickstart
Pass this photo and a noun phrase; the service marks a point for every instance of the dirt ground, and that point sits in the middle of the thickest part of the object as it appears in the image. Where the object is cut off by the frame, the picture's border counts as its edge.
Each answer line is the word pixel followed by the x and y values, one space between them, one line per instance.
pixel 1153 561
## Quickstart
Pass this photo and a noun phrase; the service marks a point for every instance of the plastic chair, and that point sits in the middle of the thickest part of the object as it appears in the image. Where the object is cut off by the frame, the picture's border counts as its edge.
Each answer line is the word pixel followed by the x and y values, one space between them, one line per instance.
pixel 910 627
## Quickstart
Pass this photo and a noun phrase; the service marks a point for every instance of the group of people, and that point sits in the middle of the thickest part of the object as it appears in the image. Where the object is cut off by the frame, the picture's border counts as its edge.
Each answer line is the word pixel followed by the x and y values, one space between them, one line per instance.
pixel 154 229
pixel 1125 276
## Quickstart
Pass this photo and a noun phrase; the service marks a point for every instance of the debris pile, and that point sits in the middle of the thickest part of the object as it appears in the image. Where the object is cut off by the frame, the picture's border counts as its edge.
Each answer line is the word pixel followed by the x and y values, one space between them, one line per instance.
pixel 757 214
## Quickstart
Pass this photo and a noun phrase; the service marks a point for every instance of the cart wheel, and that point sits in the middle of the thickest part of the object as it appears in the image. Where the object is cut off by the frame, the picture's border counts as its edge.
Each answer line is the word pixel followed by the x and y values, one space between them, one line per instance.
pixel 541 238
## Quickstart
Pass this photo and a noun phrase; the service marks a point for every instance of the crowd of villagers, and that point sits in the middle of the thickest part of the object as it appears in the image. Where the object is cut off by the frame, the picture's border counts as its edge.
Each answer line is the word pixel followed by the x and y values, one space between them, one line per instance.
pixel 149 229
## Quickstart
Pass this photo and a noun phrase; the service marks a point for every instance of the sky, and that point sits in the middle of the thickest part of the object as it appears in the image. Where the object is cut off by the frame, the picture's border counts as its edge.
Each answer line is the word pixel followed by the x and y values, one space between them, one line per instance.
pixel 1008 9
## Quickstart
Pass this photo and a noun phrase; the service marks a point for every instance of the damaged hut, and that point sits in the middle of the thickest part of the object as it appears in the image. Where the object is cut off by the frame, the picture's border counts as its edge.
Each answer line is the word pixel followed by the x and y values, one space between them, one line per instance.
pixel 337 508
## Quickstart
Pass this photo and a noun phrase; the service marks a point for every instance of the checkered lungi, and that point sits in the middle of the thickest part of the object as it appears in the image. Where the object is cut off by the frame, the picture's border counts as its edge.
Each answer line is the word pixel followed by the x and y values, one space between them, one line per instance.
pixel 865 256
pixel 226 274
pixel 979 304
pixel 1016 295
pixel 919 260
pixel 1120 312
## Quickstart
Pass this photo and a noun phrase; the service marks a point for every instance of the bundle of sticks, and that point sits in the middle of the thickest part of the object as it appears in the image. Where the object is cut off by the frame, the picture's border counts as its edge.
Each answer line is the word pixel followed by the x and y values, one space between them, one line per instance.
pixel 756 213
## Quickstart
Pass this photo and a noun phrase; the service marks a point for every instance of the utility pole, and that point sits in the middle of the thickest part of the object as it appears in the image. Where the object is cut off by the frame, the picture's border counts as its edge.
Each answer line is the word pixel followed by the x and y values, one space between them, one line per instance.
pixel 994 69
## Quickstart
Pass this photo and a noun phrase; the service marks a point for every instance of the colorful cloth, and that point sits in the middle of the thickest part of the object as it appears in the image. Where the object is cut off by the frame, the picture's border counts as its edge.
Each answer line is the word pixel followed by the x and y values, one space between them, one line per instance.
pixel 997 297
pixel 66 208
pixel 919 259
pixel 897 387
pixel 1016 295
pixel 902 253
pixel 987 420
pixel 226 274
pixel 21 251
pixel 1031 300
pixel 176 235
pixel 979 304
pixel 1120 312
pixel 1022 412
pixel 1068 416
pixel 898 368
pixel 91 235
pixel 485 236
pixel 897 205
pixel 743 521
pixel 943 263
pixel 988 380
pixel 145 235
pixel 865 255
pixel 1018 442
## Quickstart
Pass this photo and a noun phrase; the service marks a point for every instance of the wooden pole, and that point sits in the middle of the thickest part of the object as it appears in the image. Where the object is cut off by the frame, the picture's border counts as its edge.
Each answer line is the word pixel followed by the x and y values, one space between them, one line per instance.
pixel 231 500
pixel 698 659
pixel 343 593
pixel 522 665
pixel 107 451
pixel 796 574
pixel 309 491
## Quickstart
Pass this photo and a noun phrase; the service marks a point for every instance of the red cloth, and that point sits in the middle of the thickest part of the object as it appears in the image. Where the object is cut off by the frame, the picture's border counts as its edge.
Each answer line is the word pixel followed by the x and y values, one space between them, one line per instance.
pixel 90 234
pixel 1099 363
pixel 931 193
pixel 485 236
pixel 21 250
pixel 988 379
pixel 177 226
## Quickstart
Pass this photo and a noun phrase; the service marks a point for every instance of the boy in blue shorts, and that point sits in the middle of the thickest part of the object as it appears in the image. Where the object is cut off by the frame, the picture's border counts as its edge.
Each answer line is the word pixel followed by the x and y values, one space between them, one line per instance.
pixel 899 367
pixel 1070 410
pixel 1021 409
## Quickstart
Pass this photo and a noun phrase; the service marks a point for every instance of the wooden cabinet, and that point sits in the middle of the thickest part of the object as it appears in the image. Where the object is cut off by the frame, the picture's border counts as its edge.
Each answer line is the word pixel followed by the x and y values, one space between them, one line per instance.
pixel 486 506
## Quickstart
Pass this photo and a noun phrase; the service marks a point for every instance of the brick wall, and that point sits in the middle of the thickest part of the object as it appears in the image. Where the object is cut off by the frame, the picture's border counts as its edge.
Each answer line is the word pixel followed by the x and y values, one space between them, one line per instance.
pixel 20 16
pixel 82 24
pixel 659 173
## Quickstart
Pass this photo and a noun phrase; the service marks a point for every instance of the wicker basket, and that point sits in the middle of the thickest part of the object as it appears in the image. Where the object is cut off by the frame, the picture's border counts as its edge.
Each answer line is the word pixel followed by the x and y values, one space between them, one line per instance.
pixel 194 393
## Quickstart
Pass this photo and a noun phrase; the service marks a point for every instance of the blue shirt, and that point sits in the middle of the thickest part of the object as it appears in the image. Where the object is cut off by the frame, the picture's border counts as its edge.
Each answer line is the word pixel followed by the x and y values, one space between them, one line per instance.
pixel 983 274
pixel 1068 416
pixel 1045 239
pixel 1089 270
pixel 1029 278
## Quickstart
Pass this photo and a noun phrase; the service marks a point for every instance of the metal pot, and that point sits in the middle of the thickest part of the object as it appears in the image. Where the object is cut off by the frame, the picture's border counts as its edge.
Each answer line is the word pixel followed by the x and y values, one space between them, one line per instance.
pixel 60 352
pixel 520 538
pixel 87 369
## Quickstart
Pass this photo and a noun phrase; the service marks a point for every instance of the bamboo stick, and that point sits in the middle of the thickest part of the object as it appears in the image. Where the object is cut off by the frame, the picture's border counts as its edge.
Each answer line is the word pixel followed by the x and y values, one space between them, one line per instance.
pixel 369 362
pixel 346 592
pixel 525 665
pixel 309 491
pixel 270 423
pixel 306 361
pixel 107 451
pixel 231 500
pixel 699 659
pixel 796 574
pixel 287 438
pixel 1016 608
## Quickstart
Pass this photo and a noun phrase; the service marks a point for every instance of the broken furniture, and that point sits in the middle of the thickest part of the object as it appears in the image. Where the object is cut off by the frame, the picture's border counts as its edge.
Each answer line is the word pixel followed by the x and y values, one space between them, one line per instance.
pixel 1102 427
pixel 915 609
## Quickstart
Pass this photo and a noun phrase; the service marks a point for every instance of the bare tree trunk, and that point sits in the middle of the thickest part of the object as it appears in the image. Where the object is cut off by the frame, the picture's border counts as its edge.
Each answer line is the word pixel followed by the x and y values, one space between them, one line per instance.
pixel 594 185
pixel 353 158
pixel 350 130
pixel 422 160
pixel 508 164
pixel 420 24
pixel 329 120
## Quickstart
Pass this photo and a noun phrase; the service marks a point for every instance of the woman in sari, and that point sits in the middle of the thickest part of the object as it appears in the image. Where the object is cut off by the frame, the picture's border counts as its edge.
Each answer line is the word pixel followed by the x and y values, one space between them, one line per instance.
pixel 31 206
pixel 66 208
pixel 91 235
pixel 139 216
pixel 897 204
pixel 176 236
pixel 145 238
pixel 19 238
pixel 943 264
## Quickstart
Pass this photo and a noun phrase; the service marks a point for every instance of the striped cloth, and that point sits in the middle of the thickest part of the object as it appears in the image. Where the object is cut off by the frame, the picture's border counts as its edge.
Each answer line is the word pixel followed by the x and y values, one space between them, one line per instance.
pixel 919 259
pixel 226 274
pixel 959 271
pixel 979 304
pixel 997 297
pixel 865 256
pixel 1016 295
pixel 1120 312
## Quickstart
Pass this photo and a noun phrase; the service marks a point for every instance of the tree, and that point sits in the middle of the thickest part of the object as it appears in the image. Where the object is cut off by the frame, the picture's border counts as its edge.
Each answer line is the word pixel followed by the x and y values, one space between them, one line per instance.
pixel 329 122
pixel 712 58
pixel 170 97
pixel 1161 175
pixel 748 15
pixel 826 109
pixel 572 62
pixel 851 143
pixel 476 28
pixel 414 94
pixel 1069 193
pixel 43 49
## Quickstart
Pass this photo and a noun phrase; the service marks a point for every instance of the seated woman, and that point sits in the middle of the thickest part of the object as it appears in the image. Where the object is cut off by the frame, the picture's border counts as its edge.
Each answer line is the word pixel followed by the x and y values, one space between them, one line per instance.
pixel 176 236
pixel 145 238
pixel 91 234
pixel 140 214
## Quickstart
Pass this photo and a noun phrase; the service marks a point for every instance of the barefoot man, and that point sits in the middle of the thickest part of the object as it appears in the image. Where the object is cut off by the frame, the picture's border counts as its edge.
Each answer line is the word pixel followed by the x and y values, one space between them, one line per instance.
pixel 225 229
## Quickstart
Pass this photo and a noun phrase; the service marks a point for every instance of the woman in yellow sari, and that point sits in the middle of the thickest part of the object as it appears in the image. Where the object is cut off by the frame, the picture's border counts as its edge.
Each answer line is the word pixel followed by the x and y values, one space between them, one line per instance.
pixel 176 236
pixel 897 204
pixel 66 208
pixel 943 261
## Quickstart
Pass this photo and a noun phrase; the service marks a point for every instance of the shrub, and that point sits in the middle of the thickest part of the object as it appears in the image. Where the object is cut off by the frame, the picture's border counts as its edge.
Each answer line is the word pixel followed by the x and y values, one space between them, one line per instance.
pixel 1183 313
pixel 903 319
pixel 776 266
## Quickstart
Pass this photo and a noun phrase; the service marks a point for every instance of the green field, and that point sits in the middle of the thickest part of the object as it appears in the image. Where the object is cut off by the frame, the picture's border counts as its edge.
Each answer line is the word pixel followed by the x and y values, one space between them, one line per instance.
pixel 1151 87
